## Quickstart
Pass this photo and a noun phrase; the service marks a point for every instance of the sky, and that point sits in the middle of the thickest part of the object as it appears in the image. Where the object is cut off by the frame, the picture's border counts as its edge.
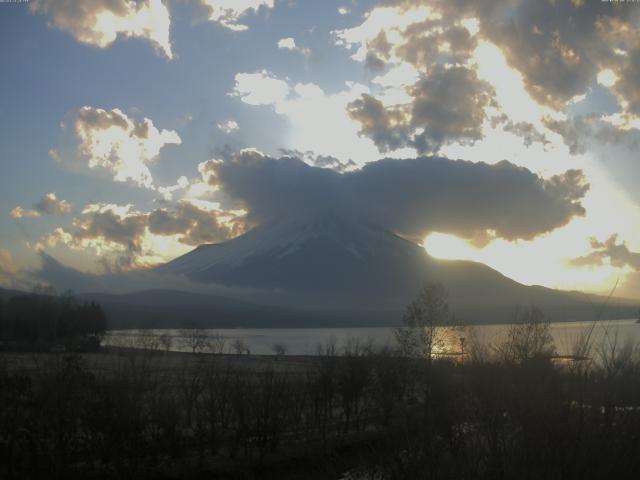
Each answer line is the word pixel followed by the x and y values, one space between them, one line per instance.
pixel 502 131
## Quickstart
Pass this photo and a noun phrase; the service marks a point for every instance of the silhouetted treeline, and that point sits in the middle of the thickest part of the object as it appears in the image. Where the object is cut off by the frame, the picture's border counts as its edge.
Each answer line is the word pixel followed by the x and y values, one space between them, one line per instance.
pixel 40 321
pixel 153 414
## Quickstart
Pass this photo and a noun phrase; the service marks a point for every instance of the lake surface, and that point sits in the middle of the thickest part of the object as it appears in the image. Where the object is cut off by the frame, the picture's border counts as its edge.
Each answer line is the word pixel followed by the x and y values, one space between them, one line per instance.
pixel 305 341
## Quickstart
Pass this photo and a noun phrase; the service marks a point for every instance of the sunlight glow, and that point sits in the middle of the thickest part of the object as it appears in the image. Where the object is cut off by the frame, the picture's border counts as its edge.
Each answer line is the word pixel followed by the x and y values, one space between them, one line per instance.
pixel 543 261
pixel 449 247
pixel 511 94
pixel 607 78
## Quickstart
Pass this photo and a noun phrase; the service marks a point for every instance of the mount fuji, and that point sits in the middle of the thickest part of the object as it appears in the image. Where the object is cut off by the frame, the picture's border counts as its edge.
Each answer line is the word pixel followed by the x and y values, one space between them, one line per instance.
pixel 355 269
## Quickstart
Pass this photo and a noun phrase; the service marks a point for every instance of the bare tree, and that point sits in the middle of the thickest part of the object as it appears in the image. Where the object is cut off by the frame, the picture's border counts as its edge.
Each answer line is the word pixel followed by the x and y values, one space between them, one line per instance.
pixel 528 337
pixel 166 341
pixel 240 346
pixel 418 334
pixel 196 339
pixel 279 349
pixel 217 342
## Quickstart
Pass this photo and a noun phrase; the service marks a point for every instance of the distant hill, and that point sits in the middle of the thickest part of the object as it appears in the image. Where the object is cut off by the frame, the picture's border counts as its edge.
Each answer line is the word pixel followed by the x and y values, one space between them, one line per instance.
pixel 5 294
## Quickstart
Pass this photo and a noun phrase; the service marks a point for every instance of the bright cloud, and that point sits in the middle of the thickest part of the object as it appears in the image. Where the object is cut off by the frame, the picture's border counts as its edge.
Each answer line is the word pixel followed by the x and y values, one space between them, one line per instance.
pixel 181 184
pixel 289 43
pixel 229 126
pixel 229 12
pixel 101 22
pixel 111 141
pixel 19 212
pixel 607 77
pixel 260 88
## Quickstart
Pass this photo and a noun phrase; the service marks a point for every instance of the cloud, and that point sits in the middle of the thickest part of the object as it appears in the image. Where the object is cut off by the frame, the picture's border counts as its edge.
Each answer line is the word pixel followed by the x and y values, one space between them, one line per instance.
pixel 101 22
pixel 181 184
pixel 49 204
pixel 260 88
pixel 114 233
pixel 10 275
pixel 19 212
pixel 229 12
pixel 112 142
pixel 289 43
pixel 410 197
pixel 578 130
pixel 616 253
pixel 344 11
pixel 448 105
pixel 6 262
pixel 387 127
pixel 327 131
pixel 382 28
pixel 195 225
pixel 322 161
pixel 529 133
pixel 432 95
pixel 128 238
pixel 229 126
pixel 559 49
pixel 112 225
pixel 7 268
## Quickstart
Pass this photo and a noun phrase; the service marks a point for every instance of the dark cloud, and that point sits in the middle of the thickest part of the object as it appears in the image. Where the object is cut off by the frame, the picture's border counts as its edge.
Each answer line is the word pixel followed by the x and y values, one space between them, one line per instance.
pixel 617 253
pixel 628 86
pixel 324 161
pixel 448 105
pixel 525 130
pixel 572 131
pixel 378 51
pixel 102 119
pixel 559 47
pixel 623 35
pixel 579 130
pixel 119 233
pixel 387 127
pixel 108 225
pixel 373 62
pixel 410 197
pixel 429 42
pixel 195 225
pixel 49 204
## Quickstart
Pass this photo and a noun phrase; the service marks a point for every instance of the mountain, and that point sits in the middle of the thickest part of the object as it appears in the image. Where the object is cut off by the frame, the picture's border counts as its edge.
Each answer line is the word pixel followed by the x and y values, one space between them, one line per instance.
pixel 328 254
pixel 347 268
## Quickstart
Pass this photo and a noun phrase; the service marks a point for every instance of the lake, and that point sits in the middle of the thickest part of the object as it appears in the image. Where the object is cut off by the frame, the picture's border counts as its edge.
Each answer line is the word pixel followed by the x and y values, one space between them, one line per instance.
pixel 305 341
